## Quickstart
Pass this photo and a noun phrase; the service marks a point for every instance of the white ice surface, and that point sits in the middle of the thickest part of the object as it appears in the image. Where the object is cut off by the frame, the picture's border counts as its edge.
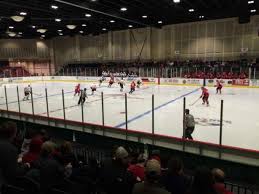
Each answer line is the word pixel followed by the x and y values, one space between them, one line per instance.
pixel 241 122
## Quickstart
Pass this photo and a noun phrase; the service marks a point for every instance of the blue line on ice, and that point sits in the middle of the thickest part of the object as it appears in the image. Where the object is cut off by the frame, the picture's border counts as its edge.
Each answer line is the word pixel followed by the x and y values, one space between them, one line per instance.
pixel 156 108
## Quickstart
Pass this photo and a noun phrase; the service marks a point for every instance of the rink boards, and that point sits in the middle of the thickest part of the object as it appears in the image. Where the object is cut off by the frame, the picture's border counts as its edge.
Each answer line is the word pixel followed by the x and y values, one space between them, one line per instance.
pixel 237 136
pixel 147 80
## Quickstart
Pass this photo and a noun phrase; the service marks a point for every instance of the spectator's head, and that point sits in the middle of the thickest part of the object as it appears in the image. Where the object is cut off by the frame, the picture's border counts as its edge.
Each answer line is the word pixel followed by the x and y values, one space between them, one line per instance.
pixel 35 145
pixel 137 158
pixel 218 175
pixel 153 171
pixel 175 166
pixel 187 111
pixel 122 155
pixel 44 134
pixel 8 130
pixel 155 154
pixel 203 181
pixel 66 148
pixel 47 148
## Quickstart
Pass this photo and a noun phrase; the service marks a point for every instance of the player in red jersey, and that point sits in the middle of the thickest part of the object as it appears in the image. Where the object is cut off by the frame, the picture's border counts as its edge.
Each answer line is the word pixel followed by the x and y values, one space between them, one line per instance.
pixel 219 87
pixel 77 90
pixel 93 88
pixel 205 95
pixel 111 82
pixel 132 87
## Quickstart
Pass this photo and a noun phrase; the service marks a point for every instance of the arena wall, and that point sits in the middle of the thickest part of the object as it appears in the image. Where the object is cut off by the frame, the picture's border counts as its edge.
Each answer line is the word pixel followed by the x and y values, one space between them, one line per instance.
pixel 223 39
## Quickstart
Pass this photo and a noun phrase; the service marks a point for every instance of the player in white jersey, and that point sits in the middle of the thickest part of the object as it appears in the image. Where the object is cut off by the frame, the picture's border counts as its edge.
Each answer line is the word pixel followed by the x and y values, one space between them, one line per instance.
pixel 139 82
pixel 93 88
pixel 27 92
pixel 101 80
pixel 121 83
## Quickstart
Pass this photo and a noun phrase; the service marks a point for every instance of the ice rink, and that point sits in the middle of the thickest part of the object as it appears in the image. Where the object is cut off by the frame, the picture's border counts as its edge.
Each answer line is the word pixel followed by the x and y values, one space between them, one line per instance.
pixel 240 125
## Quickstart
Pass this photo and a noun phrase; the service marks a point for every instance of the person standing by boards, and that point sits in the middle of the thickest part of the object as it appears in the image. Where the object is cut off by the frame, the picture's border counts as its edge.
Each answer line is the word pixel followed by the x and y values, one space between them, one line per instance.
pixel 83 95
pixel 189 124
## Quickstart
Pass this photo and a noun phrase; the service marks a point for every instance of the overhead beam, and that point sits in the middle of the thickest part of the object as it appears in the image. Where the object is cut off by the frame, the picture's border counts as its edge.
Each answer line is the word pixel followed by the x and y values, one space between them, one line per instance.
pixel 102 13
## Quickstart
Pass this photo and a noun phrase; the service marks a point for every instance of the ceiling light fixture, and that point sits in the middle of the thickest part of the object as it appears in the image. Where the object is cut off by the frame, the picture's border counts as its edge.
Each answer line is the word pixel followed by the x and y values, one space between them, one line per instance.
pixel 33 27
pixel 144 16
pixel 17 18
pixel 20 33
pixel 84 25
pixel 59 30
pixel 23 13
pixel 81 32
pixel 42 30
pixel 60 34
pixel 11 27
pixel 88 15
pixel 253 10
pixel 176 1
pixel 58 20
pixel 54 7
pixel 250 2
pixel 71 26
pixel 43 36
pixel 130 26
pixel 124 9
pixel 112 21
pixel 160 22
pixel 104 29
pixel 191 10
pixel 11 34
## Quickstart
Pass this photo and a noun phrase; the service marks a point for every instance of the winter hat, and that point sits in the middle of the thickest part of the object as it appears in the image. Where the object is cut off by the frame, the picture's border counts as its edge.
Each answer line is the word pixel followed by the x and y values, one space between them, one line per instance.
pixel 121 153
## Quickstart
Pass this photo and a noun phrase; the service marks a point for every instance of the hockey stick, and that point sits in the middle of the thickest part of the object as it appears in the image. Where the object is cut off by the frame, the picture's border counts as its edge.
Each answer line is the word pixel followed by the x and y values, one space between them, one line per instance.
pixel 194 102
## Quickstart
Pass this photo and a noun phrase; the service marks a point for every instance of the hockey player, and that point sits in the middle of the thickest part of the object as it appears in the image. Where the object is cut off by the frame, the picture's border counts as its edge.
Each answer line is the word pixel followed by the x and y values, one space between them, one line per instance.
pixel 77 90
pixel 205 96
pixel 101 80
pixel 27 92
pixel 121 83
pixel 139 83
pixel 132 87
pixel 83 95
pixel 219 87
pixel 93 88
pixel 111 82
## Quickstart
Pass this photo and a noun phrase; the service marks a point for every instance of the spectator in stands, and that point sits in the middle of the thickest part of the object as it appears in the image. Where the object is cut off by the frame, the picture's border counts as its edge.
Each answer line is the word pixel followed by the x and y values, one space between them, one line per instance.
pixel 26 141
pixel 67 154
pixel 48 171
pixel 174 179
pixel 152 178
pixel 34 151
pixel 137 166
pixel 8 153
pixel 203 182
pixel 115 178
pixel 219 178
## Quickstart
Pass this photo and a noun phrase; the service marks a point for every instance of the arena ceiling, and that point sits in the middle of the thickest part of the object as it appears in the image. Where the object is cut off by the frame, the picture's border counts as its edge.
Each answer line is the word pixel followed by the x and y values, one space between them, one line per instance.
pixel 100 16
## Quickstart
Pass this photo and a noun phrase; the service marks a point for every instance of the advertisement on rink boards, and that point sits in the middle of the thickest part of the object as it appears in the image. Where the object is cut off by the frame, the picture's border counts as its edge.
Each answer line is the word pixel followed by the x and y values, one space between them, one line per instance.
pixel 149 80
pixel 240 82
pixel 181 81
pixel 254 83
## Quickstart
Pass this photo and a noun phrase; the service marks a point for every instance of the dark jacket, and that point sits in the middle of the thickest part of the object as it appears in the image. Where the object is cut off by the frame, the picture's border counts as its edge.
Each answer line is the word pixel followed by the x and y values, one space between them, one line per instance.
pixel 176 184
pixel 116 179
pixel 8 162
pixel 148 188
